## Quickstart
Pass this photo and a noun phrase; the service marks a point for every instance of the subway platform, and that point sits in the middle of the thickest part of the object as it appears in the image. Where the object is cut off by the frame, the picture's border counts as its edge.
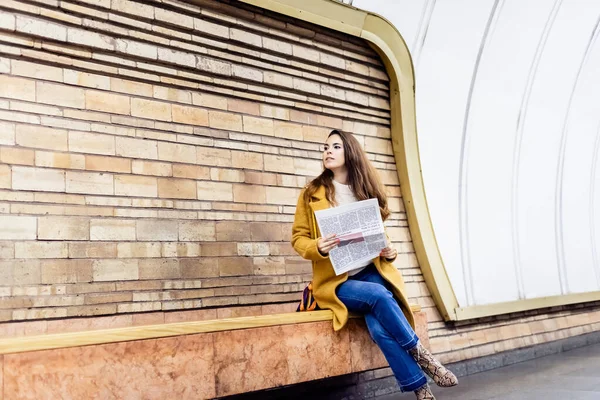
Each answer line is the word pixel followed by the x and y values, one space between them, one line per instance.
pixel 570 375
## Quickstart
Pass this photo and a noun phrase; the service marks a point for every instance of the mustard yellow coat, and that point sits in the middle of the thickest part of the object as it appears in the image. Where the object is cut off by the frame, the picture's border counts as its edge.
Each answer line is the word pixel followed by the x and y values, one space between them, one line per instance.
pixel 305 233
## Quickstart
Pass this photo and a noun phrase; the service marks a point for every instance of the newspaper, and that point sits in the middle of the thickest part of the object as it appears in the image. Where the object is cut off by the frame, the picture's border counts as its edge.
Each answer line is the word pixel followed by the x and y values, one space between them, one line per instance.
pixel 360 230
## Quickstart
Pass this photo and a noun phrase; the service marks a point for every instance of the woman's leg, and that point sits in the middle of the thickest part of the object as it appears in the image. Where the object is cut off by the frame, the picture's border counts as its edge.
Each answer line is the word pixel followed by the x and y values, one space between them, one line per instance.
pixel 373 298
pixel 409 375
pixel 367 293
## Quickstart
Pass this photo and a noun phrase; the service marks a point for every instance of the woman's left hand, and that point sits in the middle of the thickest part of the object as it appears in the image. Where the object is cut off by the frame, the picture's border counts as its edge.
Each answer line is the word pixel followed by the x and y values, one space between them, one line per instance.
pixel 389 253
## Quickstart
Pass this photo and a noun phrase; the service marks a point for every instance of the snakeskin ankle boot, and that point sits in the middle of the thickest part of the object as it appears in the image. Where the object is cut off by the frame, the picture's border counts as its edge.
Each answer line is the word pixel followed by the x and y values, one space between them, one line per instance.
pixel 432 367
pixel 424 393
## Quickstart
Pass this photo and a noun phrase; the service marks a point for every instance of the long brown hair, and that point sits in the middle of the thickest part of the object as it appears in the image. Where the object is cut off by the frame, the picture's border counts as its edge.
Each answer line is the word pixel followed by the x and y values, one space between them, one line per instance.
pixel 363 178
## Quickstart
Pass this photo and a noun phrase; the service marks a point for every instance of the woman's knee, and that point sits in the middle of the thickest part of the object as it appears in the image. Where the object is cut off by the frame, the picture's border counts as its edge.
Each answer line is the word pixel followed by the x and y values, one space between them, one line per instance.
pixel 382 294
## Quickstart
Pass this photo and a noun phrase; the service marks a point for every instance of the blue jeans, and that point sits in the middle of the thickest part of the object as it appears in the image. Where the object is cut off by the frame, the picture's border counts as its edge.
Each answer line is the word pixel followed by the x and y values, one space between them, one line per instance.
pixel 367 293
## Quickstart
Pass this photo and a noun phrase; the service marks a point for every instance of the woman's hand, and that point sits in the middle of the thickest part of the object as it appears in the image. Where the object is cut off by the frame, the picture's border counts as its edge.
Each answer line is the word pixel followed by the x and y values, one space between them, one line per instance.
pixel 389 253
pixel 327 243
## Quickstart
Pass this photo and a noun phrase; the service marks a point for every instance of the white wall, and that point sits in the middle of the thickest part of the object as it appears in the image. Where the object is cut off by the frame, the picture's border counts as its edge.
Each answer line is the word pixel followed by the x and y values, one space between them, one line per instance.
pixel 508 117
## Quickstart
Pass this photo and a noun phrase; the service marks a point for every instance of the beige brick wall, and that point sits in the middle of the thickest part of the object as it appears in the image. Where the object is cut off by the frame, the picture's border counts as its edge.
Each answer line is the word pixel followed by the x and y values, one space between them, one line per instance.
pixel 150 158
pixel 151 154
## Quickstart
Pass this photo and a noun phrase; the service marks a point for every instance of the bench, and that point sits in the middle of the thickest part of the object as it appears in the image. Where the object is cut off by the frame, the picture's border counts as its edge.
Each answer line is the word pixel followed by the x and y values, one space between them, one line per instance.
pixel 195 360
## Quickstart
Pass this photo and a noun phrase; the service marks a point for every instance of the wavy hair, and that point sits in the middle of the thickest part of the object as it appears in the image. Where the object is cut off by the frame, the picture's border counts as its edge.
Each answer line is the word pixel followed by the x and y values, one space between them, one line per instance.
pixel 363 178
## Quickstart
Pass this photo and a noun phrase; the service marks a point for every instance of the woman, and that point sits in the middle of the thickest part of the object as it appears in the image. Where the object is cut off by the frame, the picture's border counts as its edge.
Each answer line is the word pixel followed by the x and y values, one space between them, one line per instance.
pixel 374 289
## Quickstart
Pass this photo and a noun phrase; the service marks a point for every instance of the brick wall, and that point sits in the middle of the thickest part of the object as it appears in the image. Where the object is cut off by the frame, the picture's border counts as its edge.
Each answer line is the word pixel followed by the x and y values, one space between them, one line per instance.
pixel 151 155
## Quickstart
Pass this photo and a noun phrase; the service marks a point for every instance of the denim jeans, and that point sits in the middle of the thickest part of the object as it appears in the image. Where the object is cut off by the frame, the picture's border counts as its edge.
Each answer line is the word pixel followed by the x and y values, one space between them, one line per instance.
pixel 367 293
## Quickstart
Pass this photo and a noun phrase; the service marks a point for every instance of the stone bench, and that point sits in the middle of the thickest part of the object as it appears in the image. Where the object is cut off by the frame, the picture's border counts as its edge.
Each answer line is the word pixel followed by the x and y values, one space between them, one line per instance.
pixel 189 360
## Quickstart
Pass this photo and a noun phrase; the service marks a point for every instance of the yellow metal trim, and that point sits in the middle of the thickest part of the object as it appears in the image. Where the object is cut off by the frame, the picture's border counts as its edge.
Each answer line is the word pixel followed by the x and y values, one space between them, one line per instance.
pixel 464 313
pixel 392 49
pixel 104 336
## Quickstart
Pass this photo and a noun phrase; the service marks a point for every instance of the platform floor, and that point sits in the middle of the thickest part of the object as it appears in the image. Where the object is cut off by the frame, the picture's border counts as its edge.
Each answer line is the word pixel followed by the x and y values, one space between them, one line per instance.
pixel 571 375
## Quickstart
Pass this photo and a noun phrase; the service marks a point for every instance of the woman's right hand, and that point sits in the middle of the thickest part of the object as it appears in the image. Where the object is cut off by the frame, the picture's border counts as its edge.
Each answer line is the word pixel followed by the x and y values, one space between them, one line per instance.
pixel 327 243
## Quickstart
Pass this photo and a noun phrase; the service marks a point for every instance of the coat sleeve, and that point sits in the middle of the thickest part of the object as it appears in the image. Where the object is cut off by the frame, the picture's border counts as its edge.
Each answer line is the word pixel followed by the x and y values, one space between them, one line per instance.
pixel 302 242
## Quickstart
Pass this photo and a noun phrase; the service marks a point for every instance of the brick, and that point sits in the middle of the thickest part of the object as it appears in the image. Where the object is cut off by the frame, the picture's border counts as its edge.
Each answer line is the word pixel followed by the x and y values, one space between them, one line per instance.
pixel 138 250
pixel 63 228
pixel 226 121
pixel 258 125
pixel 89 183
pixel 174 18
pixel 191 171
pixel 90 39
pixel 279 164
pixel 213 66
pixel 137 148
pixel 315 133
pixel 38 27
pixel 172 94
pixel 85 142
pixel 7 21
pixel 274 112
pixel 132 185
pixel 251 74
pixel 159 269
pixel 38 71
pixel 135 48
pixel 107 102
pixel 41 250
pixel 235 266
pixel 253 249
pixel 177 57
pixel 199 268
pixel 112 229
pixel 17 227
pixel 245 37
pixel 231 231
pixel 157 230
pixel 151 109
pixel 17 156
pixel 177 189
pixel 115 270
pixel 104 298
pixel 211 28
pixel 247 160
pixel 66 271
pixel 249 194
pixel 131 87
pixel 180 250
pixel 60 95
pixel 266 232
pixel 277 45
pixel 190 115
pixel 213 157
pixel 243 106
pixel 86 79
pixel 59 160
pixel 210 101
pixel 38 179
pixel 17 88
pixel 226 175
pixel 107 164
pixel 274 78
pixel 215 191
pixel 177 152
pixel 7 131
pixel 305 53
pixel 151 168
pixel 283 196
pixel 20 272
pixel 5 177
pixel 260 178
pixel 196 231
pixel 92 250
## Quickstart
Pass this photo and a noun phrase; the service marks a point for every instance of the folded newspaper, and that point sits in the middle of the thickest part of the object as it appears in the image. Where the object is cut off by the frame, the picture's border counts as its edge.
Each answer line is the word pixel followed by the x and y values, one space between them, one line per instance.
pixel 360 230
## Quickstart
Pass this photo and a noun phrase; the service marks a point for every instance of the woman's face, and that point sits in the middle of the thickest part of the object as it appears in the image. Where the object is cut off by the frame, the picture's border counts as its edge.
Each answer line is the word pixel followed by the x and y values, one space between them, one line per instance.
pixel 333 153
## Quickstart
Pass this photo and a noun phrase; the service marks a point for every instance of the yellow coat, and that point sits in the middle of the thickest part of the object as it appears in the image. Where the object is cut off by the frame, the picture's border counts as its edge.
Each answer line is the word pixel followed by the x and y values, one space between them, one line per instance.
pixel 304 240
